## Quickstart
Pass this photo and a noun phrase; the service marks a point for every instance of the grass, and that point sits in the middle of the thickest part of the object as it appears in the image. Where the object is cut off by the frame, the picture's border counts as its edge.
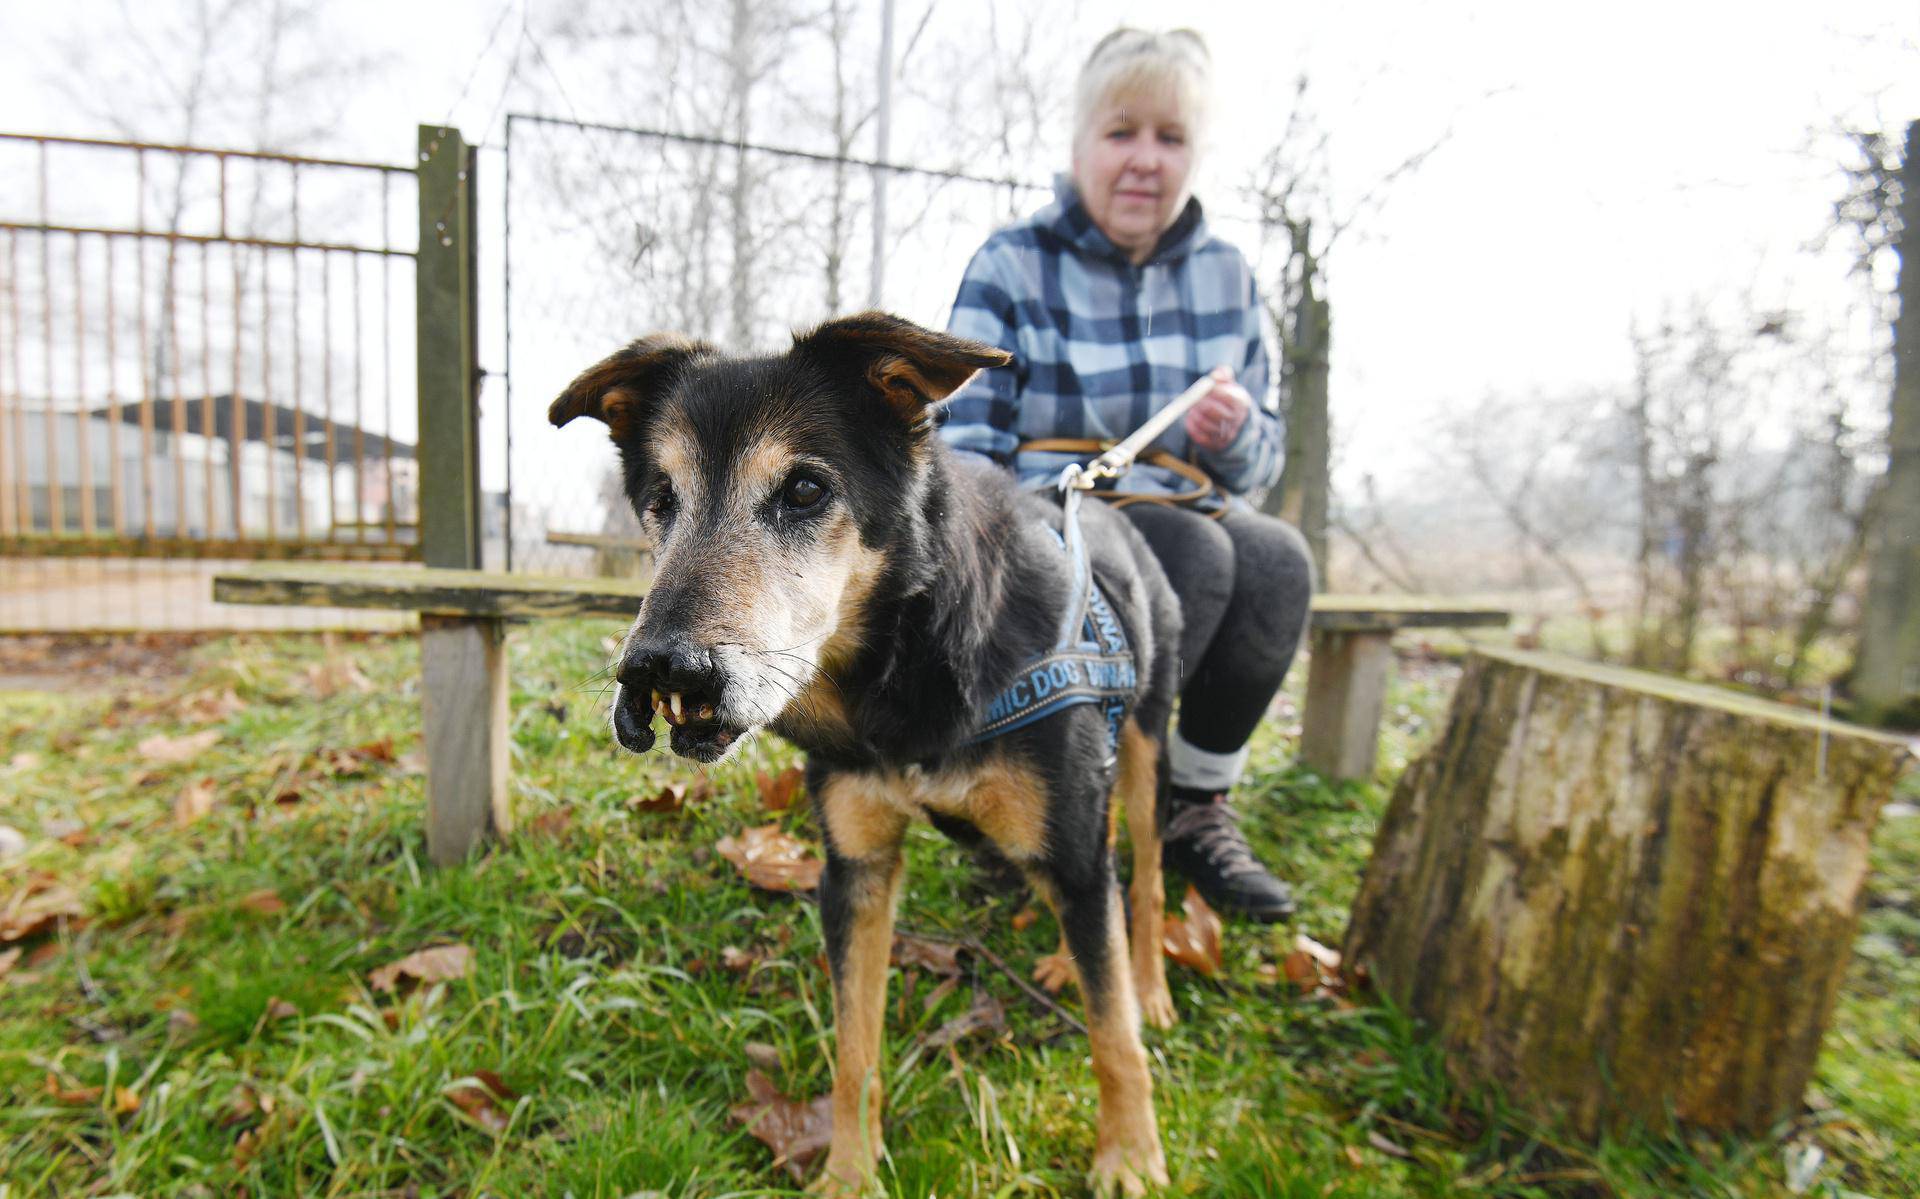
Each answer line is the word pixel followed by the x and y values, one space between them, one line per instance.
pixel 238 1047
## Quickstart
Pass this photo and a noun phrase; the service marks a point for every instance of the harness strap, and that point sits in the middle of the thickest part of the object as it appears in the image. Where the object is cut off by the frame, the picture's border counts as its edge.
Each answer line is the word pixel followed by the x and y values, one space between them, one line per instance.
pixel 1202 486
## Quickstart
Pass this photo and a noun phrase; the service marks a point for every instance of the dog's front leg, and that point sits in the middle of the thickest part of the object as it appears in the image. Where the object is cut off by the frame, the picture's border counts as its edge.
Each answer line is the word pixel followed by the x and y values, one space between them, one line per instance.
pixel 858 890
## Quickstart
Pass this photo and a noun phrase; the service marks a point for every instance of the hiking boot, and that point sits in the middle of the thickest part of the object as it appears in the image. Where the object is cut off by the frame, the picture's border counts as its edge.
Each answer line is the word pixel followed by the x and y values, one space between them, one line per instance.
pixel 1204 843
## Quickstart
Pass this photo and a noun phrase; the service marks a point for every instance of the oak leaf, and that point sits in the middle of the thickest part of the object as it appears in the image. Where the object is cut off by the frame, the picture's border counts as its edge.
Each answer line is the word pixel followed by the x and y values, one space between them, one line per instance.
pixel 171 751
pixel 478 1097
pixel 194 801
pixel 264 902
pixel 1194 941
pixel 777 791
pixel 935 957
pixel 439 963
pixel 770 859
pixel 36 907
pixel 796 1132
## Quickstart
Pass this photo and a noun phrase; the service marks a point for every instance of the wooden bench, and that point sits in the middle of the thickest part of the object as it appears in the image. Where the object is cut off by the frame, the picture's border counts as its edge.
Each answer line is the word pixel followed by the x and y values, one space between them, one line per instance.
pixel 463 696
pixel 1352 664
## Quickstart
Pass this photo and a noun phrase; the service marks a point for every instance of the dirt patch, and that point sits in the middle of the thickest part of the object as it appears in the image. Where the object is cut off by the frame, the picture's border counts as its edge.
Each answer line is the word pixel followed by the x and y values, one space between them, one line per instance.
pixel 93 662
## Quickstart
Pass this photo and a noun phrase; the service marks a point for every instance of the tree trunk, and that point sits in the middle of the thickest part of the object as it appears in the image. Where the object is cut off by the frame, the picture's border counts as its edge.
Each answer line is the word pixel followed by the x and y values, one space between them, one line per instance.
pixel 1886 674
pixel 1619 896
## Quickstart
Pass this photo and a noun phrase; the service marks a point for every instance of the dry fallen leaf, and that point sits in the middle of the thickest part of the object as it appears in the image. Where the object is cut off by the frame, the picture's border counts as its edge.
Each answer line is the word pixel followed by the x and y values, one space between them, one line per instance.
pixel 264 902
pixel 551 823
pixel 478 1095
pixel 673 796
pixel 180 1022
pixel 193 802
pixel 437 964
pixel 280 1009
pixel 7 959
pixel 770 859
pixel 61 1094
pixel 1314 967
pixel 796 1132
pixel 986 1015
pixel 1387 1147
pixel 935 957
pixel 329 678
pixel 777 791
pixel 171 751
pixel 1194 941
pixel 36 907
pixel 1024 918
pixel 763 1056
pixel 210 707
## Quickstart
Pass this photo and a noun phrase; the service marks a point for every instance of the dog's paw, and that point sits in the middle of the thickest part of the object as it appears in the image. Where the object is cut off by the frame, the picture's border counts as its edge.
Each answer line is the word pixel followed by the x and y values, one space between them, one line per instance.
pixel 1054 971
pixel 1118 1171
pixel 1156 1006
pixel 843 1178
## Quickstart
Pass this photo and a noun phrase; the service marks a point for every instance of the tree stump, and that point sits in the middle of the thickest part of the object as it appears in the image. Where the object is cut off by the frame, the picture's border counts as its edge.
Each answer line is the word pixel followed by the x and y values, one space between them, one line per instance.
pixel 1621 896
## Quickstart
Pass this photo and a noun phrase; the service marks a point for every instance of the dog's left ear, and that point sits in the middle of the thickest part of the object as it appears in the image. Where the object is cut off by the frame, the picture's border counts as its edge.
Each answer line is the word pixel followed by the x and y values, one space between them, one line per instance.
pixel 911 367
pixel 615 389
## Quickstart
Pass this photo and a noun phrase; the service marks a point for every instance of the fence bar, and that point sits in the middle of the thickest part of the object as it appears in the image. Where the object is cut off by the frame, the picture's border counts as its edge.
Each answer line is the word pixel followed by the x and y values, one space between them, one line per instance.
pixel 359 417
pixel 206 389
pixel 147 380
pixel 167 148
pixel 179 438
pixel 115 500
pixel 326 388
pixel 237 427
pixel 299 411
pixel 9 516
pixel 80 418
pixel 386 353
pixel 269 426
pixel 265 243
pixel 56 500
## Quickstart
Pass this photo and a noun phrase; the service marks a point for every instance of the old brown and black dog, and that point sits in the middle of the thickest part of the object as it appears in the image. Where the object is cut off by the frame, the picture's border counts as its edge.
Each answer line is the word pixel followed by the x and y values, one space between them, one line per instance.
pixel 828 570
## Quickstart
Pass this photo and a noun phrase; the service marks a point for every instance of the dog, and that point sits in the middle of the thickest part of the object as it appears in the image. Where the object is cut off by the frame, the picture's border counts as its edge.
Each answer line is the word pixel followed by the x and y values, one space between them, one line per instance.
pixel 826 568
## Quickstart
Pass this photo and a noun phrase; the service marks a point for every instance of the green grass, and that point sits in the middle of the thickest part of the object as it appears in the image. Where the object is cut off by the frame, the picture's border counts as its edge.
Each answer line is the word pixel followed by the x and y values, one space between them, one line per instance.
pixel 597 995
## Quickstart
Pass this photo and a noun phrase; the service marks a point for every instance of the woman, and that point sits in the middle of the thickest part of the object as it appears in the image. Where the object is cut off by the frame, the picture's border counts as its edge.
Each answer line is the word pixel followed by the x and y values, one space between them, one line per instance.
pixel 1113 300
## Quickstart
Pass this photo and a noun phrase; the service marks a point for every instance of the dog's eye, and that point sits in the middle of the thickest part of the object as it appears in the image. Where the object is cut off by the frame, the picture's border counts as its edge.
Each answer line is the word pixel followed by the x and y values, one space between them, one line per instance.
pixel 663 501
pixel 802 492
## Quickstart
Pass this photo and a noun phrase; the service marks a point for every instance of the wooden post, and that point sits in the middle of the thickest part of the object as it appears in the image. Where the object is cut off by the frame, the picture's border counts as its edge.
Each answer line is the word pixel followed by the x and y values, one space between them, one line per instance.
pixel 463 659
pixel 1622 897
pixel 1886 673
pixel 449 417
pixel 1347 679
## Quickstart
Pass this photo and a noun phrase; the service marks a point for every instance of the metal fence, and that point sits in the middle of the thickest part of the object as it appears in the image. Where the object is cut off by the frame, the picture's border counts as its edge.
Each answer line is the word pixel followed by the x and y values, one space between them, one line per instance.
pixel 202 360
pixel 611 232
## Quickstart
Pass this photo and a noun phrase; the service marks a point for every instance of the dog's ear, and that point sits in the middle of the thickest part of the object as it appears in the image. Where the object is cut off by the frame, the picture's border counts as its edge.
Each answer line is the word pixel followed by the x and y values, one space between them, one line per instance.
pixel 909 366
pixel 614 390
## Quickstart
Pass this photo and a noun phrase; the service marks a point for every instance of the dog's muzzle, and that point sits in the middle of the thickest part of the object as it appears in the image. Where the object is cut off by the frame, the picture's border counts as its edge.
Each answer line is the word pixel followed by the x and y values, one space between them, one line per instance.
pixel 683 685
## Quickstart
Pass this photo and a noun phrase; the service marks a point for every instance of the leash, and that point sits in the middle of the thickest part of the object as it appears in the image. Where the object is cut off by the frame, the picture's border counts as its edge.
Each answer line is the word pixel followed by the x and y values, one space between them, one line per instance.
pixel 1091 660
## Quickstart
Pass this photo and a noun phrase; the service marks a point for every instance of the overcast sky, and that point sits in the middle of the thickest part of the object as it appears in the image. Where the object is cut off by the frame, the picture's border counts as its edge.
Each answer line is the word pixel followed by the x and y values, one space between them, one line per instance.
pixel 1607 163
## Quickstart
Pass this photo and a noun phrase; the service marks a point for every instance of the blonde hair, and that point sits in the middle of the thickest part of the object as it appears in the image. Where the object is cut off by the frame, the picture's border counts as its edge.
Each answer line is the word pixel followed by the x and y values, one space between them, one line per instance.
pixel 1126 63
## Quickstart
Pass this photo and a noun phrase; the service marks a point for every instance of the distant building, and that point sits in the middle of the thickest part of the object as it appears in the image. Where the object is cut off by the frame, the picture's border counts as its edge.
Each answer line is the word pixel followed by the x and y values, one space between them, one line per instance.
pixel 347 482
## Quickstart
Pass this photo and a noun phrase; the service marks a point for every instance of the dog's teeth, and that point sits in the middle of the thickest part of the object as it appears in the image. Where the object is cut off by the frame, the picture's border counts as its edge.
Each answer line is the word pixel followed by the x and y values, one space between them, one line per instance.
pixel 674 701
pixel 706 711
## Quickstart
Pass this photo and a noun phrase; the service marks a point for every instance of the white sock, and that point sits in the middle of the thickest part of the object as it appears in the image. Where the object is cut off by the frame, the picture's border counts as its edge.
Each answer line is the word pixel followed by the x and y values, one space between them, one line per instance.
pixel 1203 770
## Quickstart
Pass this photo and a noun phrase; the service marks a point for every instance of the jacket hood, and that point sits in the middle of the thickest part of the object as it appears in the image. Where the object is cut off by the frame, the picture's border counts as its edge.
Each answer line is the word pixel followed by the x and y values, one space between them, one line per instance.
pixel 1067 217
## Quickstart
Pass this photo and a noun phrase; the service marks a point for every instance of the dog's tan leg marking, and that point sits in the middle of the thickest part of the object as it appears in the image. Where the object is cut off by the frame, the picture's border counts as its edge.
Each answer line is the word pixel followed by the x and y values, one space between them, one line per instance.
pixel 1126 1157
pixel 866 829
pixel 1055 970
pixel 1136 787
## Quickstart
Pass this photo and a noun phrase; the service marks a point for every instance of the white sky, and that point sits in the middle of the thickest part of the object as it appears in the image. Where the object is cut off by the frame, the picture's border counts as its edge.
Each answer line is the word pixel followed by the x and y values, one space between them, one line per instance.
pixel 1608 162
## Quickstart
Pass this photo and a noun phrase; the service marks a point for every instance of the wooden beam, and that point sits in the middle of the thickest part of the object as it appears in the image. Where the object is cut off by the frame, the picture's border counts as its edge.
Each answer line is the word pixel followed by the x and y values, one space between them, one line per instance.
pixel 446 592
pixel 1355 613
pixel 1347 678
pixel 463 700
pixel 449 440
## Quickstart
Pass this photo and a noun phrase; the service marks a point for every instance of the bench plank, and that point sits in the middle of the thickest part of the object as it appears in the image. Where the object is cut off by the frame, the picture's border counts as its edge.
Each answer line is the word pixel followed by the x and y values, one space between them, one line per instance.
pixel 427 589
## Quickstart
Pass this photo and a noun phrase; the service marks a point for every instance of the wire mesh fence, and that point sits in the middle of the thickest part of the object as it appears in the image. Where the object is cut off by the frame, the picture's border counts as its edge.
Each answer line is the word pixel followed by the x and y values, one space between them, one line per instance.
pixel 205 357
pixel 611 233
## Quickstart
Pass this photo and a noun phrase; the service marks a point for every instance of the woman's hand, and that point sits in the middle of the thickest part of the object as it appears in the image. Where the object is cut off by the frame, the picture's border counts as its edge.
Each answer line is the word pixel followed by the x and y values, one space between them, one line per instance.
pixel 1215 421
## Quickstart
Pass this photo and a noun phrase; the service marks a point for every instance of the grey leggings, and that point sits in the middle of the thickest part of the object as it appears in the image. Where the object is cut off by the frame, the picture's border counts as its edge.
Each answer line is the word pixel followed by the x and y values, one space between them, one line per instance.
pixel 1244 582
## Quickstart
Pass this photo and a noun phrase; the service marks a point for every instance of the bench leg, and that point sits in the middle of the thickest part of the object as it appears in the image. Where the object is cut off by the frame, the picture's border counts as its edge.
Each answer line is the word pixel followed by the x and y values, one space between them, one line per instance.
pixel 463 698
pixel 1346 689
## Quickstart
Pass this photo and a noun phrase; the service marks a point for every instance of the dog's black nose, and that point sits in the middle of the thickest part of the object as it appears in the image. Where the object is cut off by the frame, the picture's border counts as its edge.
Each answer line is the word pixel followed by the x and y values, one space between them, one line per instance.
pixel 668 666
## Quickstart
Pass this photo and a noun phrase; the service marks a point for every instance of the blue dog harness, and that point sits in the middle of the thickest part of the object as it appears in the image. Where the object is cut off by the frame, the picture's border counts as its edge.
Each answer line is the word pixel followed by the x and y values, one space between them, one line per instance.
pixel 1090 662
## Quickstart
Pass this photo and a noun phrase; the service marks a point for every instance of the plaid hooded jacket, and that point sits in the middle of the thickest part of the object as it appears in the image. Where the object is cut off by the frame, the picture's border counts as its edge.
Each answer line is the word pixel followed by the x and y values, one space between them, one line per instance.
pixel 1099 345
